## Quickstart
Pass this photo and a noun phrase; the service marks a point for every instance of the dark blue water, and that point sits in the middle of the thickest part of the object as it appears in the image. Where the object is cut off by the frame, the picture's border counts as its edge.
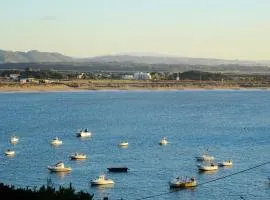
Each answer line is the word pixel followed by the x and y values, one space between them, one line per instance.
pixel 231 124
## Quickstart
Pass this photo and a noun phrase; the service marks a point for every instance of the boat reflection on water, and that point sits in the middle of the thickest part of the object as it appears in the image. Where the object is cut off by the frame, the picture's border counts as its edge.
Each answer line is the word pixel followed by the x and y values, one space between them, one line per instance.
pixel 123 147
pixel 208 172
pixel 103 187
pixel 85 138
pixel 62 174
pixel 179 189
pixel 227 167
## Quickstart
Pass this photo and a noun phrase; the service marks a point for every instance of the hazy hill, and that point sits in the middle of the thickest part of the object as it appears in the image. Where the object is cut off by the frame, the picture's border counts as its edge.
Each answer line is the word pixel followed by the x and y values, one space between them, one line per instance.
pixel 35 56
pixel 170 60
pixel 32 57
pixel 127 63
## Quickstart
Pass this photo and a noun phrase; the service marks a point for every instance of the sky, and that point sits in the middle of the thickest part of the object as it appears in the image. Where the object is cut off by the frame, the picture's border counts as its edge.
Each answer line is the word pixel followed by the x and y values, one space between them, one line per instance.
pixel 226 29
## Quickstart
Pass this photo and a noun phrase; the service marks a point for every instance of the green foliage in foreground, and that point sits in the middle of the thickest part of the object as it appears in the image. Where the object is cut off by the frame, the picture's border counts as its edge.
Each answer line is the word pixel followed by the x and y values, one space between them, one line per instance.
pixel 44 193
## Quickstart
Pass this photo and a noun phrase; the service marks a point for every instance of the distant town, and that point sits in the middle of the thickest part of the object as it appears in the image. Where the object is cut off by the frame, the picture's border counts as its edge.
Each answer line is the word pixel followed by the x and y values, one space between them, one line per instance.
pixel 130 80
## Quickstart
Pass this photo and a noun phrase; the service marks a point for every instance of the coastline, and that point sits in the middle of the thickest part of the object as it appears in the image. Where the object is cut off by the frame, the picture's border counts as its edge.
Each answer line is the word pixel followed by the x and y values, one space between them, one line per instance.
pixel 108 86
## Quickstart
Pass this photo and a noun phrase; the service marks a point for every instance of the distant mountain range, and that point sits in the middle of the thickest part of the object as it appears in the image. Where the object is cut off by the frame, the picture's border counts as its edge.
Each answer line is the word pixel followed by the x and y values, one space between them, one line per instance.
pixel 35 56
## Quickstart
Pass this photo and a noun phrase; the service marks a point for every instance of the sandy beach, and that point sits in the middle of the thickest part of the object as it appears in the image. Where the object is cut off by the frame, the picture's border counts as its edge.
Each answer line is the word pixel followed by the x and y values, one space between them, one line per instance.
pixel 122 85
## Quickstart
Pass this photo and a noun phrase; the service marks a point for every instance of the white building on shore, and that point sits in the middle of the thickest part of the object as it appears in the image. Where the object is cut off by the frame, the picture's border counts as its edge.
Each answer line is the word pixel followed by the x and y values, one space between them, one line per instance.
pixel 142 76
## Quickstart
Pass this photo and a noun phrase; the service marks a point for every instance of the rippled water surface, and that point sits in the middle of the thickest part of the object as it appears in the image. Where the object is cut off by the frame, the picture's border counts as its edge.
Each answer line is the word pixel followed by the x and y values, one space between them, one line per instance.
pixel 231 124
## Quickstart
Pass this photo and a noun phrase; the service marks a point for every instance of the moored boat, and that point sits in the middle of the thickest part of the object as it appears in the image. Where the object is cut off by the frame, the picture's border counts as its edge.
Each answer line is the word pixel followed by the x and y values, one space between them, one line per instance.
pixel 225 163
pixel 123 144
pixel 102 180
pixel 78 156
pixel 14 139
pixel 163 141
pixel 183 183
pixel 84 133
pixel 210 167
pixel 10 152
pixel 118 169
pixel 56 141
pixel 59 167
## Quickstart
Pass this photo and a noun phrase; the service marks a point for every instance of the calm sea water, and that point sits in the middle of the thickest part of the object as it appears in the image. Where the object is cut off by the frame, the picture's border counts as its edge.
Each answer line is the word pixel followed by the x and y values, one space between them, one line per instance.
pixel 231 124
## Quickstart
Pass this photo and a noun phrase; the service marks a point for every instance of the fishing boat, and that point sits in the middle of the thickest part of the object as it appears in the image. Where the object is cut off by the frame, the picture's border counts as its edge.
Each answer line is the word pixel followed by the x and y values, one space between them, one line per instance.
pixel 10 152
pixel 84 133
pixel 210 167
pixel 102 180
pixel 163 141
pixel 225 163
pixel 183 183
pixel 118 169
pixel 59 167
pixel 56 141
pixel 78 156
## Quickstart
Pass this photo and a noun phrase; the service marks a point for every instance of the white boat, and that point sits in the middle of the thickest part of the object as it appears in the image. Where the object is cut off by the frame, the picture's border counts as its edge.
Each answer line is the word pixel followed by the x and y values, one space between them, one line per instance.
pixel 210 167
pixel 14 139
pixel 56 141
pixel 123 144
pixel 225 163
pixel 59 167
pixel 205 157
pixel 102 180
pixel 84 133
pixel 10 152
pixel 183 183
pixel 164 141
pixel 78 156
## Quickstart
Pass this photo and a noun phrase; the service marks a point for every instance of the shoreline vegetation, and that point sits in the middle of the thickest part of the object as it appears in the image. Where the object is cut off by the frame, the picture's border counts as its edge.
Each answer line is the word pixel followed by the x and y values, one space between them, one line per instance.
pixel 78 85
pixel 44 192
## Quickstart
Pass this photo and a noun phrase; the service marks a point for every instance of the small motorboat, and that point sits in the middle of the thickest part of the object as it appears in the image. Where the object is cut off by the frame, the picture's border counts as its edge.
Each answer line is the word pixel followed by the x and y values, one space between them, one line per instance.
pixel 183 183
pixel 123 144
pixel 56 141
pixel 225 163
pixel 59 167
pixel 102 180
pixel 118 169
pixel 84 133
pixel 164 141
pixel 205 157
pixel 10 152
pixel 210 167
pixel 78 156
pixel 14 139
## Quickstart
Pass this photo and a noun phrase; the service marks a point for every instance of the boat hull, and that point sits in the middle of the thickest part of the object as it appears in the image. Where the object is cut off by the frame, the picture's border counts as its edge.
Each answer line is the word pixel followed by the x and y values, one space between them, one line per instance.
pixel 55 169
pixel 10 153
pixel 182 184
pixel 78 157
pixel 225 164
pixel 207 168
pixel 107 182
pixel 83 134
pixel 123 144
pixel 163 143
pixel 117 169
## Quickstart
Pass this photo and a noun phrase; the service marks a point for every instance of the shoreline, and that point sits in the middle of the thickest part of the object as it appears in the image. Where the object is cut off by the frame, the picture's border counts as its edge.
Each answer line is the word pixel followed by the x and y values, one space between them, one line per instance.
pixel 64 88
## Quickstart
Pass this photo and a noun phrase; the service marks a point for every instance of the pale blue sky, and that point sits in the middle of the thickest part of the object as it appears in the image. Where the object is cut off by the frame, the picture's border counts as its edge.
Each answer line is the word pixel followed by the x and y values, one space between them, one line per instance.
pixel 231 29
